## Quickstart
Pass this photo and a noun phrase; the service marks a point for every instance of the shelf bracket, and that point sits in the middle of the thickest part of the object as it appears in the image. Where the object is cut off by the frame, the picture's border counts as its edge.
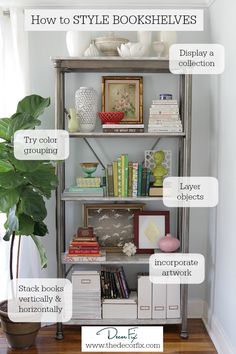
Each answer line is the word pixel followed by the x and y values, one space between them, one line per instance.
pixel 93 151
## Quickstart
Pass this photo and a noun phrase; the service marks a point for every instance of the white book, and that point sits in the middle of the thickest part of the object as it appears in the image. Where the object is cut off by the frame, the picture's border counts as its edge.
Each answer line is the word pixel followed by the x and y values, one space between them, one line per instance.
pixel 173 300
pixel 163 111
pixel 123 126
pixel 144 297
pixel 164 102
pixel 165 130
pixel 165 124
pixel 158 301
pixel 164 116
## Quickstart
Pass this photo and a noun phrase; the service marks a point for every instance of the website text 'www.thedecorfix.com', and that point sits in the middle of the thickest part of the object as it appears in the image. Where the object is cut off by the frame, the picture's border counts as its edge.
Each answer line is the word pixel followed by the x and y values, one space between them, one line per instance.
pixel 122 338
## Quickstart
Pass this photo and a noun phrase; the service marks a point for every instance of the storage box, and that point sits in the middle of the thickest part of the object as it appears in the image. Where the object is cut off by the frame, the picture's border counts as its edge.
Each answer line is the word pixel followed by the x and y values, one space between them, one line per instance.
pixel 144 296
pixel 120 308
pixel 173 300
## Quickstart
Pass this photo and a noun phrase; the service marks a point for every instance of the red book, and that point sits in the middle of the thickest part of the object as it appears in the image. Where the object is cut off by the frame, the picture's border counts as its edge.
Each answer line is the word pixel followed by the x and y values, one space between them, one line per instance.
pixel 74 251
pixel 75 243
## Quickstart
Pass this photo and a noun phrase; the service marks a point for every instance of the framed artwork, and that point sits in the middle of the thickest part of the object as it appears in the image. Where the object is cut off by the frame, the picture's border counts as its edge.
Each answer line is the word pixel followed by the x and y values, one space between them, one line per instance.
pixel 123 94
pixel 149 227
pixel 113 223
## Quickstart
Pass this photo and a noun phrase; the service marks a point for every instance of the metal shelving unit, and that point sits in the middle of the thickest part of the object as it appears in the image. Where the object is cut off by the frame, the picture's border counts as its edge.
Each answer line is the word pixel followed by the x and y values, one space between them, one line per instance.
pixel 115 65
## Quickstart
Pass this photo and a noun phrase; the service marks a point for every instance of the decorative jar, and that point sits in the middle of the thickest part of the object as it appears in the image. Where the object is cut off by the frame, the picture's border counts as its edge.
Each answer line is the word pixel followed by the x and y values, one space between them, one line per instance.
pixel 168 243
pixel 86 108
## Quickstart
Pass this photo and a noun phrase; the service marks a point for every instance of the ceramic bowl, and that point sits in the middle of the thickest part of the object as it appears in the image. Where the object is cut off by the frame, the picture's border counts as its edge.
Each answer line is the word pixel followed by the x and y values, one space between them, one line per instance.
pixel 89 167
pixel 111 117
pixel 132 50
pixel 108 45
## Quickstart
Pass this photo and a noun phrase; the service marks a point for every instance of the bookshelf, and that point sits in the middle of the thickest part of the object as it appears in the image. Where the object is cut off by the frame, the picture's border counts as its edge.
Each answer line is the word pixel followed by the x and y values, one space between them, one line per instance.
pixel 66 65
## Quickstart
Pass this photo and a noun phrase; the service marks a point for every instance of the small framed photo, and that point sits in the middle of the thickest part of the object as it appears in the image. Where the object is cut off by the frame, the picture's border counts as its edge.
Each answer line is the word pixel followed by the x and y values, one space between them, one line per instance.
pixel 149 227
pixel 113 224
pixel 123 94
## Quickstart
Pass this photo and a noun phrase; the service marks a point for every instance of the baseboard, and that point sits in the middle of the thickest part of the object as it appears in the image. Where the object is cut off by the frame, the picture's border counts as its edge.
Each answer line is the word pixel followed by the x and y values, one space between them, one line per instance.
pixel 196 308
pixel 218 335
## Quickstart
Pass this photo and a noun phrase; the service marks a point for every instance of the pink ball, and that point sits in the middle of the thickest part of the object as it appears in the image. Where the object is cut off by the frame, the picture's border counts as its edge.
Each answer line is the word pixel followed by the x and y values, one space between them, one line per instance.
pixel 168 243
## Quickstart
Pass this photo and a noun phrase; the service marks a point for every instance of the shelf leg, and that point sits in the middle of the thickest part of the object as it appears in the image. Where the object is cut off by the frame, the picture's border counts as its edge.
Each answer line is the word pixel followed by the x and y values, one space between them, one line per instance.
pixel 59 332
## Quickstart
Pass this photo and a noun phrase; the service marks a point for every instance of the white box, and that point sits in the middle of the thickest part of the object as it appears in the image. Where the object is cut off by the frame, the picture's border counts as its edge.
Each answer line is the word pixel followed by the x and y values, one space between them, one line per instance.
pixel 144 297
pixel 120 308
pixel 86 282
pixel 158 301
pixel 173 301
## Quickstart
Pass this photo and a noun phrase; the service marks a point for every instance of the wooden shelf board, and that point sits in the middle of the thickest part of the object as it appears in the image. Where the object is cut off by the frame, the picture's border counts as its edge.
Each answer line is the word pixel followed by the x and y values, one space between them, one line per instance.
pixel 115 258
pixel 126 135
pixel 118 321
pixel 70 198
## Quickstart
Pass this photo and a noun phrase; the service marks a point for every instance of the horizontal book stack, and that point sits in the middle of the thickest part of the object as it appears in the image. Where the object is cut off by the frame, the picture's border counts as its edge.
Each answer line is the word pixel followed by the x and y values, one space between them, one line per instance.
pixel 84 244
pixel 125 178
pixel 86 187
pixel 164 117
pixel 123 128
pixel 114 284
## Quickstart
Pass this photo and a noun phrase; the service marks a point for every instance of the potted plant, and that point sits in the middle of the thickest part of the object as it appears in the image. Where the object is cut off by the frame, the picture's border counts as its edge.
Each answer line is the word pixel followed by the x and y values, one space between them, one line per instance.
pixel 23 187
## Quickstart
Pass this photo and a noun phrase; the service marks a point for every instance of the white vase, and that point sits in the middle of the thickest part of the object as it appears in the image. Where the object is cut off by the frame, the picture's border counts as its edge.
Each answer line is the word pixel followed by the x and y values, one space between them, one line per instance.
pixel 86 108
pixel 145 37
pixel 77 42
pixel 168 38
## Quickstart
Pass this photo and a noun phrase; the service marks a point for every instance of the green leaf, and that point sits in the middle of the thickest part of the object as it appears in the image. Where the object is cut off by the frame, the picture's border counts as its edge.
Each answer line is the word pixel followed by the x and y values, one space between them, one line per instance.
pixel 40 229
pixel 34 105
pixel 41 250
pixel 5 166
pixel 9 180
pixel 44 179
pixel 26 225
pixel 4 131
pixel 32 204
pixel 25 165
pixel 4 150
pixel 8 198
pixel 22 121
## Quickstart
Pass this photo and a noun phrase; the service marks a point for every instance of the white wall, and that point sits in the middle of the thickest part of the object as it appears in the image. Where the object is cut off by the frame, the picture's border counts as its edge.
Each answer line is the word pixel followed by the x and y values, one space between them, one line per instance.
pixel 46 44
pixel 221 282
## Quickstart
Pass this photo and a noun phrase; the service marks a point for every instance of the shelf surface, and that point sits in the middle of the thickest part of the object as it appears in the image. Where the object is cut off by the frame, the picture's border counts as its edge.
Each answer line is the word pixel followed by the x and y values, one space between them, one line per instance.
pixel 111 64
pixel 69 197
pixel 114 258
pixel 118 321
pixel 127 135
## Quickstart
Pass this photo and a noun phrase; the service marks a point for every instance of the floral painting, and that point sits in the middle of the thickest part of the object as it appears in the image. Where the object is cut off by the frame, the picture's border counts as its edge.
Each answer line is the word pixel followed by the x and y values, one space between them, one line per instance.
pixel 123 94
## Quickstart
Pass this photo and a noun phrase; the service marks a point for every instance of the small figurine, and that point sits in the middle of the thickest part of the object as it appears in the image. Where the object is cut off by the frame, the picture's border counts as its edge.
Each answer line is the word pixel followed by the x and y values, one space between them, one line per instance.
pixel 159 171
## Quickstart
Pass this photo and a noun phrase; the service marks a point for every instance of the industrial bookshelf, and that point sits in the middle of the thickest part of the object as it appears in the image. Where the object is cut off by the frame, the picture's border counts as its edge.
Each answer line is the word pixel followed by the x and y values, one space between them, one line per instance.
pixel 66 65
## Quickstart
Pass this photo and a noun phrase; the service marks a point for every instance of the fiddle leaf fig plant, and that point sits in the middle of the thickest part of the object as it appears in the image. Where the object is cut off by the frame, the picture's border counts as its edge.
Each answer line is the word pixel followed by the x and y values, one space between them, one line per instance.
pixel 24 185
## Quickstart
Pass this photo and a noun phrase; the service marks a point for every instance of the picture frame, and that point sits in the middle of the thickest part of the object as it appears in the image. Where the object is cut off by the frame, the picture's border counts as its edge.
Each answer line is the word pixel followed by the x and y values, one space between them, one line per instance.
pixel 124 93
pixel 113 223
pixel 149 227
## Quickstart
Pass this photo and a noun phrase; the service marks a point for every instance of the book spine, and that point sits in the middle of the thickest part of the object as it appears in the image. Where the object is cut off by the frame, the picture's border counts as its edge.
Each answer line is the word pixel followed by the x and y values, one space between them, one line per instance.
pixel 124 282
pixel 130 179
pixel 117 285
pixel 139 180
pixel 110 181
pixel 102 279
pixel 124 175
pixel 85 238
pixel 83 252
pixel 144 181
pixel 135 179
pixel 148 181
pixel 115 178
pixel 123 130
pixel 121 285
pixel 119 177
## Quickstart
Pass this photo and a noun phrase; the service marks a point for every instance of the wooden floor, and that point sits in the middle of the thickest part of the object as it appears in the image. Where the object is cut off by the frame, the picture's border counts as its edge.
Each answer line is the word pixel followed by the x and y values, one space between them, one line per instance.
pixel 198 342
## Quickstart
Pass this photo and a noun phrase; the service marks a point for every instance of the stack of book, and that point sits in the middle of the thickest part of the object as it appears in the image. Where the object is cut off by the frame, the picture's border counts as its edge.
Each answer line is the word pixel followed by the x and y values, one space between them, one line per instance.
pixel 123 128
pixel 125 178
pixel 84 244
pixel 86 187
pixel 86 294
pixel 164 116
pixel 114 284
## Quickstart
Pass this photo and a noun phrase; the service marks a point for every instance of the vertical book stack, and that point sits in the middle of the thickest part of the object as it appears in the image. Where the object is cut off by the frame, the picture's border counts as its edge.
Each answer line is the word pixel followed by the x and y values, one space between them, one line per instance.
pixel 164 116
pixel 125 178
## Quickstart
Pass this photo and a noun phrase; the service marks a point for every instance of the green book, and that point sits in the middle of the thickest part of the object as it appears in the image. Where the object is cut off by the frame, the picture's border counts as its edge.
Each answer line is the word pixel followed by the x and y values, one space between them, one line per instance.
pixel 119 176
pixel 110 180
pixel 130 179
pixel 124 175
pixel 140 168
